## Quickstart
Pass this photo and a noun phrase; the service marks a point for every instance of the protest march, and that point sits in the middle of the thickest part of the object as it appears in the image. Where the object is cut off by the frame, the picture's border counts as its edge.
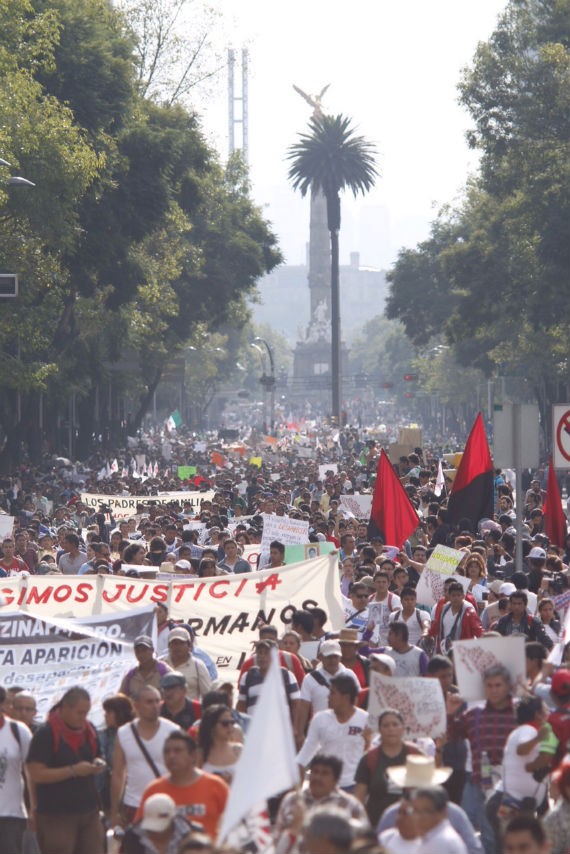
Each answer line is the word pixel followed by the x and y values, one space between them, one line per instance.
pixel 333 651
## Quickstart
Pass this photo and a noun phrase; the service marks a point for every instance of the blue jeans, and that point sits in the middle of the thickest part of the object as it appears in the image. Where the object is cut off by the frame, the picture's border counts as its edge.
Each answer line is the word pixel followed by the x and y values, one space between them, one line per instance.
pixel 473 802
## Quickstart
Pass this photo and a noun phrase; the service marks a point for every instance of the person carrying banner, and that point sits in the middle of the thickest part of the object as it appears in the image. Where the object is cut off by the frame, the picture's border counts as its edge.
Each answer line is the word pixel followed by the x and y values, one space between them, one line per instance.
pixel 63 758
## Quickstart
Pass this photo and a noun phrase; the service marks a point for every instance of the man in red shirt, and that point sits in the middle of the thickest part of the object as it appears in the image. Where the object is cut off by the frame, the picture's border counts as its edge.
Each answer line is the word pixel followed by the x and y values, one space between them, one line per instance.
pixel 559 720
pixel 286 659
pixel 10 564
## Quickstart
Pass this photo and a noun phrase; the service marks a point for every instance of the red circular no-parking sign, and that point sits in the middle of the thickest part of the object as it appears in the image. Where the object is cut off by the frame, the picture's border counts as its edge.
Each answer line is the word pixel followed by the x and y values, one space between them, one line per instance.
pixel 563 430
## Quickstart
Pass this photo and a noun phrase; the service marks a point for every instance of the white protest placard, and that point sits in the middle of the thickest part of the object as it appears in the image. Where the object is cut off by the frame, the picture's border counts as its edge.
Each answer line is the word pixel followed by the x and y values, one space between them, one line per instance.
pixel 290 532
pixel 251 554
pixel 323 469
pixel 6 526
pixel 442 563
pixel 225 611
pixel 472 657
pixel 47 656
pixel 419 700
pixel 359 505
pixel 123 506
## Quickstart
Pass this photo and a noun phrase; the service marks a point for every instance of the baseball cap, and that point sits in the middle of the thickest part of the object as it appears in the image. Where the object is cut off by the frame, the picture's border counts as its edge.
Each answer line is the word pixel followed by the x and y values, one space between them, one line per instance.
pixel 560 684
pixel 507 588
pixel 495 586
pixel 384 659
pixel 183 564
pixel 158 812
pixel 174 679
pixel 329 647
pixel 179 634
pixel 537 553
pixel 144 640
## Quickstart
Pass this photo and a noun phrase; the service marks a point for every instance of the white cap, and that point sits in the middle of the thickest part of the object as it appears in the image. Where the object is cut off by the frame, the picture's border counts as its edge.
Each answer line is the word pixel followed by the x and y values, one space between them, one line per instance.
pixel 330 647
pixel 537 553
pixel 507 588
pixel 385 659
pixel 184 564
pixel 158 812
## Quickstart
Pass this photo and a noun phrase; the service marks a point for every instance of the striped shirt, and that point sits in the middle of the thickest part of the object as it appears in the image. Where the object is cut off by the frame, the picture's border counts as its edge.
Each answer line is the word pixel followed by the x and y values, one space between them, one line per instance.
pixel 250 687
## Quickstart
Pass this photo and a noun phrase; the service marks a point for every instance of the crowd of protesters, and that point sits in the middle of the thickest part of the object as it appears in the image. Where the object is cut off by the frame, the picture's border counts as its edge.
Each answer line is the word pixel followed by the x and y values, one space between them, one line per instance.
pixel 158 775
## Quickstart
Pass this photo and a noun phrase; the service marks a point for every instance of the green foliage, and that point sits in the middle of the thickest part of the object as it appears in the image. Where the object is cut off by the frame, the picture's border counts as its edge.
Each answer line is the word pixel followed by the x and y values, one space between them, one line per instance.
pixel 493 277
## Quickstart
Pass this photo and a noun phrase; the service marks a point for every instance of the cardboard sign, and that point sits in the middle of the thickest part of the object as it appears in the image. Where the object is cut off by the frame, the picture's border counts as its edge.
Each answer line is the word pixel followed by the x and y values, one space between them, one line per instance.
pixel 359 505
pixel 473 657
pixel 307 551
pixel 419 700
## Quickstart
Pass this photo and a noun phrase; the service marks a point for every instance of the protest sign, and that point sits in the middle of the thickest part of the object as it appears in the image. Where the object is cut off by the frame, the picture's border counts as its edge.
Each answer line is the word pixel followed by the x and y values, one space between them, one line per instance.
pixel 327 467
pixel 288 531
pixel 472 657
pixel 225 611
pixel 47 656
pixel 358 505
pixel 184 472
pixel 420 701
pixel 251 554
pixel 123 506
pixel 6 526
pixel 442 563
pixel 255 461
pixel 307 551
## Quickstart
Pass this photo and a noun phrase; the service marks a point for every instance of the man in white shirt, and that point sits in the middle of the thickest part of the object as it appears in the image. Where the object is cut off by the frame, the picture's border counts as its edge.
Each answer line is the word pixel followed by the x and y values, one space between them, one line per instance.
pixel 434 828
pixel 138 755
pixel 180 658
pixel 410 660
pixel 316 684
pixel 15 739
pixel 341 730
pixel 380 607
pixel 418 622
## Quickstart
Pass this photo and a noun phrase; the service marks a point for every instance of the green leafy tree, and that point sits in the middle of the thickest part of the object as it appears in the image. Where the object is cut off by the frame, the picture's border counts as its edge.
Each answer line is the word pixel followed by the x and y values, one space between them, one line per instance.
pixel 329 159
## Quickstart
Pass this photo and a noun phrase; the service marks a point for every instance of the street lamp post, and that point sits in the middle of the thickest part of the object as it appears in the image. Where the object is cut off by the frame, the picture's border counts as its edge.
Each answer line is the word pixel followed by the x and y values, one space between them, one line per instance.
pixel 268 382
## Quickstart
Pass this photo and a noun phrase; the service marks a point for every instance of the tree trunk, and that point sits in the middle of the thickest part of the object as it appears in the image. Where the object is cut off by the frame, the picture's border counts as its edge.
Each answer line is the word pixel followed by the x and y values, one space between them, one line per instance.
pixel 136 422
pixel 335 329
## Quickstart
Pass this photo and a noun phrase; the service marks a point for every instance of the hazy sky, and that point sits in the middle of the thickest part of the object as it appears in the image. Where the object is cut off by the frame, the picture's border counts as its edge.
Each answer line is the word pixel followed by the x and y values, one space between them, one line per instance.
pixel 393 67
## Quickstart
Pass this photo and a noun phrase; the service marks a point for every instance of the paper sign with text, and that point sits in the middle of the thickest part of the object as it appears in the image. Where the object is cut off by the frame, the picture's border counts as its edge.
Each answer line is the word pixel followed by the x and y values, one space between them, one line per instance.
pixel 419 700
pixel 473 657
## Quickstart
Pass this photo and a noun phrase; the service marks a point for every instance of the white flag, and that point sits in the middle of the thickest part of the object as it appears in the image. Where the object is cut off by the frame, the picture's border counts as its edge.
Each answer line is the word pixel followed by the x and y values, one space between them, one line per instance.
pixel 114 466
pixel 269 735
pixel 439 481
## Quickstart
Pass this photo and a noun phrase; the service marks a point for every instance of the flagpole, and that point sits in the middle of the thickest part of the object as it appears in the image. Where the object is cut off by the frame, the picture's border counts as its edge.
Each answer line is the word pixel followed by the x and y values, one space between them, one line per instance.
pixel 517 428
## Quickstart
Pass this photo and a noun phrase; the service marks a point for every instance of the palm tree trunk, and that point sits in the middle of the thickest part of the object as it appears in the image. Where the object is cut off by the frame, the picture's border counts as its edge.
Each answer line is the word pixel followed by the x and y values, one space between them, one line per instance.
pixel 335 328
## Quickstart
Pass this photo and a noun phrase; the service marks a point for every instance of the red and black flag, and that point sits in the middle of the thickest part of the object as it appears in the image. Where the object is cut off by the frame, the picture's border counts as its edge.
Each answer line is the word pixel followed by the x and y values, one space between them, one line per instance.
pixel 554 519
pixel 392 512
pixel 472 491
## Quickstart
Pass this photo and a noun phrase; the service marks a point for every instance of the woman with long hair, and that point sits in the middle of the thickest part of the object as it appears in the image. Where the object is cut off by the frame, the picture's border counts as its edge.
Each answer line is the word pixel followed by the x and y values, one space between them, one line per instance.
pixel 219 753
pixel 118 710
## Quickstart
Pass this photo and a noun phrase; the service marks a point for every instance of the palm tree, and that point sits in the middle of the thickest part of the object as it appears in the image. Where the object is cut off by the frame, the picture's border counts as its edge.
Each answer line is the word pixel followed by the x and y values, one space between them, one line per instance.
pixel 329 159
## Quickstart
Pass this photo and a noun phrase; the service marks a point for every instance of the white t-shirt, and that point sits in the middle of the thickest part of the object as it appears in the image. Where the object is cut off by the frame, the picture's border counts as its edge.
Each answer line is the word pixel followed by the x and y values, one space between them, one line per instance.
pixel 407 663
pixel 394 843
pixel 355 619
pixel 415 627
pixel 344 740
pixel 318 695
pixel 12 757
pixel 516 781
pixel 139 772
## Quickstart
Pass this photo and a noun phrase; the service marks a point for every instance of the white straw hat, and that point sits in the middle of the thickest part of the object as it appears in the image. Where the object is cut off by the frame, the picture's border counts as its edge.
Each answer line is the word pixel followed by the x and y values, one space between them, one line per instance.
pixel 418 771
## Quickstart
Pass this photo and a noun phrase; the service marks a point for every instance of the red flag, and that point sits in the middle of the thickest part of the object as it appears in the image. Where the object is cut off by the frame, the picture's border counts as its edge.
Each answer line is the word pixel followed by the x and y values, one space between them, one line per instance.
pixel 554 519
pixel 391 510
pixel 472 492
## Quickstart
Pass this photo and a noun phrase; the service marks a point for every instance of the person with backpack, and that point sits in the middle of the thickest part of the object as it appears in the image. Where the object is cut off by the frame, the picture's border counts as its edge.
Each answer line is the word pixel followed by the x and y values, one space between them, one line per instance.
pixel 15 738
pixel 519 622
pixel 380 606
pixel 138 756
pixel 148 672
pixel 63 758
pixel 418 622
pixel 316 685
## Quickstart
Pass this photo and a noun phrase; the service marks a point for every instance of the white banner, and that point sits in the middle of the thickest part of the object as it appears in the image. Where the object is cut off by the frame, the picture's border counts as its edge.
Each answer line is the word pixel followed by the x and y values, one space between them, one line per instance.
pixel 358 505
pixel 225 611
pixel 290 532
pixel 48 656
pixel 472 657
pixel 251 554
pixel 6 526
pixel 123 506
pixel 419 700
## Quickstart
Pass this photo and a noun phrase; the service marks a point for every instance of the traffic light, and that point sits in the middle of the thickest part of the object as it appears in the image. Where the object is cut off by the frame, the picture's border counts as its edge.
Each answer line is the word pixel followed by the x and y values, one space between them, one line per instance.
pixel 409 394
pixel 410 377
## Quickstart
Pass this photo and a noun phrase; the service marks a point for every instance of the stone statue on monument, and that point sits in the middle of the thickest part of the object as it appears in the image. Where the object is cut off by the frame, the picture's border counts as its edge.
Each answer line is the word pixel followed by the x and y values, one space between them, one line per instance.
pixel 313 100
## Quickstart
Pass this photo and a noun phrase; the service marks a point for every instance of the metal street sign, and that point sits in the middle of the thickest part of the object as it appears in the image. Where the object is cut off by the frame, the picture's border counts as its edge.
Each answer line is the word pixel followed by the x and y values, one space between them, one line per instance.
pixel 8 285
pixel 561 437
pixel 504 433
